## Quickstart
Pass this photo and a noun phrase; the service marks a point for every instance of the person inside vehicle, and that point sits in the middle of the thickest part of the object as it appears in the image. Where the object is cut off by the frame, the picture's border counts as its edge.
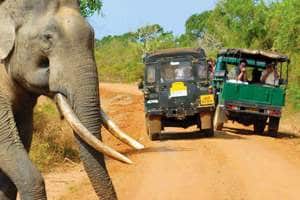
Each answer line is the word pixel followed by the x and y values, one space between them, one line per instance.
pixel 211 67
pixel 256 74
pixel 179 74
pixel 270 75
pixel 241 73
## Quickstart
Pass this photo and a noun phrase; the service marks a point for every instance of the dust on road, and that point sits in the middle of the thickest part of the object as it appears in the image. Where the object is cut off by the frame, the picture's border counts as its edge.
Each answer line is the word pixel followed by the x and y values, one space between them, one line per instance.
pixel 233 165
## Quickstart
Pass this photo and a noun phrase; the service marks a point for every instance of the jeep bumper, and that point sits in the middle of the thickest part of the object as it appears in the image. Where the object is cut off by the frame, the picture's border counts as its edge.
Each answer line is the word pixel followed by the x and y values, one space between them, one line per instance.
pixel 181 112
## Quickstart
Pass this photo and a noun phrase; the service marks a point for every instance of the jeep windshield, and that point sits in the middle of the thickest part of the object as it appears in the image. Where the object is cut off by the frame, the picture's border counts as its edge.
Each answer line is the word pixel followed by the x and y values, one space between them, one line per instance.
pixel 175 71
pixel 182 71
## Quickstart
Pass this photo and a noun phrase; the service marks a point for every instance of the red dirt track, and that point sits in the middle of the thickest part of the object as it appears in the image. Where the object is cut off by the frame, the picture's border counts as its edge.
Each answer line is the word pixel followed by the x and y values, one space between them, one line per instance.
pixel 235 164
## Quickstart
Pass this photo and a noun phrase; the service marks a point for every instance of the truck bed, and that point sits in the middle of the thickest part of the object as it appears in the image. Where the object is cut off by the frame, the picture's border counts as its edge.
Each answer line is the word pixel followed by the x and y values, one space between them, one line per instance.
pixel 254 94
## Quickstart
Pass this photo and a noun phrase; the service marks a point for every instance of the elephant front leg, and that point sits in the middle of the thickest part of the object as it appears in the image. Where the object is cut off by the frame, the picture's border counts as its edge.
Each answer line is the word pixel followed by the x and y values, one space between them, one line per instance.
pixel 8 190
pixel 14 159
pixel 18 167
pixel 24 122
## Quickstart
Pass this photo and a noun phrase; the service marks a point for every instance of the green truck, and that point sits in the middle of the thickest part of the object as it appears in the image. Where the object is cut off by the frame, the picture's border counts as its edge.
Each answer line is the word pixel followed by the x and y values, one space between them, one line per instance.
pixel 177 91
pixel 250 102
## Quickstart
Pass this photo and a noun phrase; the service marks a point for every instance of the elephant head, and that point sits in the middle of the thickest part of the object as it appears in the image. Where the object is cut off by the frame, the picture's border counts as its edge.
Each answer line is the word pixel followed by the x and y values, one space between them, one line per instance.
pixel 47 49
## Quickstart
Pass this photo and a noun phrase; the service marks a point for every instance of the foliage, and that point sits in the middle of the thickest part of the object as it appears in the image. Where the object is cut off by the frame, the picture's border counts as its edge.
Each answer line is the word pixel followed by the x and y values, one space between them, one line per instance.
pixel 52 138
pixel 284 25
pixel 89 7
pixel 259 24
pixel 196 25
pixel 149 32
pixel 119 57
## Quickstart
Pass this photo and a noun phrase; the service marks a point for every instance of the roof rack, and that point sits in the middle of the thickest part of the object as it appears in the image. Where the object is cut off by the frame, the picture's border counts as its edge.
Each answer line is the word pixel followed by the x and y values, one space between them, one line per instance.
pixel 196 52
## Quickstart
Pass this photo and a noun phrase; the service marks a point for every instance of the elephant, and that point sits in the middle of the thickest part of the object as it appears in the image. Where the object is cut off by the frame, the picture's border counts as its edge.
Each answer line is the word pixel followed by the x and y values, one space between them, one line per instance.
pixel 47 48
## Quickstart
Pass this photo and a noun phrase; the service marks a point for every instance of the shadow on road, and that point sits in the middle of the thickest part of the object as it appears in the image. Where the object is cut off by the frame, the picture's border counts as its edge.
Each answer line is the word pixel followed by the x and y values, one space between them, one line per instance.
pixel 281 134
pixel 157 149
pixel 195 135
pixel 239 131
pixel 180 136
pixel 287 135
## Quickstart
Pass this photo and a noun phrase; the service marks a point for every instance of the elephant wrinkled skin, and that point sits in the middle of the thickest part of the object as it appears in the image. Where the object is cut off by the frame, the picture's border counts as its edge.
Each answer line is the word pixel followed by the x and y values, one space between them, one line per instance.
pixel 46 48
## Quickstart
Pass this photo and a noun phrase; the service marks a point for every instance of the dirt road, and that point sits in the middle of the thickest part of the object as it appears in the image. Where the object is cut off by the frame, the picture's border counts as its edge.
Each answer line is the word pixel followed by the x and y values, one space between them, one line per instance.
pixel 183 166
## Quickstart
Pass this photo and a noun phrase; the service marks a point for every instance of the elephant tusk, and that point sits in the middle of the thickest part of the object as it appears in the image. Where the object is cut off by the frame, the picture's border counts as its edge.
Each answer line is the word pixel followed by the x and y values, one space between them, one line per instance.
pixel 84 133
pixel 118 133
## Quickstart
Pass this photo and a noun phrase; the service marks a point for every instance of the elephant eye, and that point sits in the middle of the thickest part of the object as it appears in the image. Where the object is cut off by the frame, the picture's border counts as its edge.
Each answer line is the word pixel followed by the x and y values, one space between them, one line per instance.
pixel 46 42
pixel 47 37
pixel 43 62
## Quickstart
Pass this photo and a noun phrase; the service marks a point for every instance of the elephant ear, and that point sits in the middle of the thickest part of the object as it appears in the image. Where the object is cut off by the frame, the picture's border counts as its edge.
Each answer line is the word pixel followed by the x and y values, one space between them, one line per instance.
pixel 7 34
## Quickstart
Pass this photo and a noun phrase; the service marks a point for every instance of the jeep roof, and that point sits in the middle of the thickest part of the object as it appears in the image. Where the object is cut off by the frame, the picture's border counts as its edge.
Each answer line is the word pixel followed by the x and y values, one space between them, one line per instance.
pixel 254 54
pixel 195 52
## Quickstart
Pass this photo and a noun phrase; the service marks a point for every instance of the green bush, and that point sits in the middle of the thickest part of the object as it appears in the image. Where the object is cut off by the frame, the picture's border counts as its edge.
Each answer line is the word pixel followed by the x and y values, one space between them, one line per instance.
pixel 52 139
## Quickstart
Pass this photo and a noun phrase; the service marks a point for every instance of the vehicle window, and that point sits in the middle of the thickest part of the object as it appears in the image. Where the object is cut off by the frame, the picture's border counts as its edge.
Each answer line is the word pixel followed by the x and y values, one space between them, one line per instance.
pixel 231 71
pixel 202 71
pixel 252 75
pixel 150 74
pixel 175 71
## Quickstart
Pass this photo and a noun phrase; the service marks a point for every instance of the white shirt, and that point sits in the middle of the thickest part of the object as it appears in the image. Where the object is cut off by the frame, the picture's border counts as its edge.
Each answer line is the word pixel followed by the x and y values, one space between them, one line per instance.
pixel 271 80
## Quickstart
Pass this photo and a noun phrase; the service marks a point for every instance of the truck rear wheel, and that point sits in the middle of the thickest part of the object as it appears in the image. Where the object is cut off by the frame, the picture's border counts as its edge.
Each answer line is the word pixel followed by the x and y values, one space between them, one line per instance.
pixel 273 126
pixel 153 125
pixel 259 126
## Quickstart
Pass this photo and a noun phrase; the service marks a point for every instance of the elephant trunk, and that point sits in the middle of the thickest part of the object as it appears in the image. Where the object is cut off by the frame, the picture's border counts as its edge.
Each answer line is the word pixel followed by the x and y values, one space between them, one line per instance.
pixel 86 105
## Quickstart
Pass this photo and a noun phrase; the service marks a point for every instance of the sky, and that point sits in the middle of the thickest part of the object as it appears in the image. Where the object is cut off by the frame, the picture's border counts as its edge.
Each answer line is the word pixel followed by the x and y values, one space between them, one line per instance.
pixel 122 16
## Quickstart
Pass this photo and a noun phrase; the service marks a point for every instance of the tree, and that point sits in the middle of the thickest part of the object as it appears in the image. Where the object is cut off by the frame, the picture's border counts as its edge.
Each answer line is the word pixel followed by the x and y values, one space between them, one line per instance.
pixel 148 33
pixel 89 7
pixel 164 41
pixel 284 25
pixel 196 25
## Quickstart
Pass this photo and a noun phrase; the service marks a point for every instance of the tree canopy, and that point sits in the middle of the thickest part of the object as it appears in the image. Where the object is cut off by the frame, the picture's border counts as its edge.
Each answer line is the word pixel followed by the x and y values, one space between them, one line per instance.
pixel 89 7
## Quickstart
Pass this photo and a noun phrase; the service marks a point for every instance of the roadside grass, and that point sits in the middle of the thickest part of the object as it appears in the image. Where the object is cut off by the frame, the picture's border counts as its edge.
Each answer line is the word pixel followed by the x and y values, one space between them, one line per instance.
pixel 53 141
pixel 293 93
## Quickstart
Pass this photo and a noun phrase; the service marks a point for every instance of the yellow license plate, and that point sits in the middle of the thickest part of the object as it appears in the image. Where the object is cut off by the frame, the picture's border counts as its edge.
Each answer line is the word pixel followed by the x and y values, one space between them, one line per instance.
pixel 207 99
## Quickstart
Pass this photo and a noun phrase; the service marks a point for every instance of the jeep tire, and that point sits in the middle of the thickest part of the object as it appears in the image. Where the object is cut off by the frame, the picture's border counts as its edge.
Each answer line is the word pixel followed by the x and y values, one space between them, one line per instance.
pixel 218 119
pixel 153 125
pixel 206 124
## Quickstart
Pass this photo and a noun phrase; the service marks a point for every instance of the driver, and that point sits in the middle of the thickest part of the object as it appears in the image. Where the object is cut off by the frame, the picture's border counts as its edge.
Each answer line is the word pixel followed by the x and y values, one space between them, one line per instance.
pixel 179 73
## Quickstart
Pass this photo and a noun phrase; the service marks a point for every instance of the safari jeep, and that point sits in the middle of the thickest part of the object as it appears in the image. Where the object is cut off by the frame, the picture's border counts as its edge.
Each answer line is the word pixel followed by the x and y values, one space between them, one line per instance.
pixel 252 102
pixel 176 91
